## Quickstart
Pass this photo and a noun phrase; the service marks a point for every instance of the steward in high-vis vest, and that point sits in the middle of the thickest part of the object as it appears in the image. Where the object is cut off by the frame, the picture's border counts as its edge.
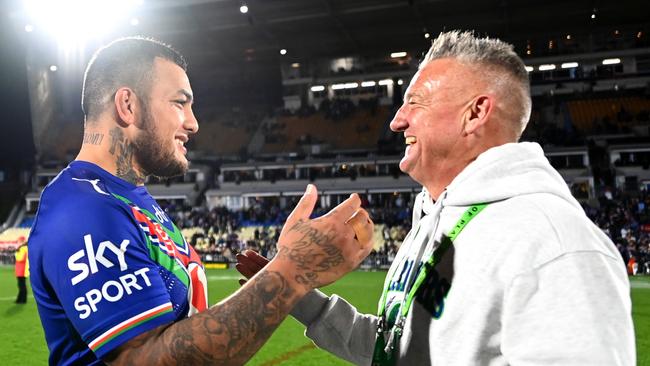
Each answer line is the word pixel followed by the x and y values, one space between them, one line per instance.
pixel 22 270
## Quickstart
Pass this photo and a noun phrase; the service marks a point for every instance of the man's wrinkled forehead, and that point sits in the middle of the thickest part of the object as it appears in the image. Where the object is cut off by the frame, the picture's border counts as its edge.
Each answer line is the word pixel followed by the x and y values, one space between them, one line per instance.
pixel 425 81
pixel 424 85
pixel 445 73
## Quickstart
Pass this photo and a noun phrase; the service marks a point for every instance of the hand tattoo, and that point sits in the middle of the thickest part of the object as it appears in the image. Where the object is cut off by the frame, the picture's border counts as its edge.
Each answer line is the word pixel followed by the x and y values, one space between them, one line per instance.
pixel 313 253
pixel 124 158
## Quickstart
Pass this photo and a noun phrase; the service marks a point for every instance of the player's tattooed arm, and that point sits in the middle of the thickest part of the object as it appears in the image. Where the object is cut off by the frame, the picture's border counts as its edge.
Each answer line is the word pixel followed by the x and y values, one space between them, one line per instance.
pixel 123 149
pixel 313 253
pixel 228 333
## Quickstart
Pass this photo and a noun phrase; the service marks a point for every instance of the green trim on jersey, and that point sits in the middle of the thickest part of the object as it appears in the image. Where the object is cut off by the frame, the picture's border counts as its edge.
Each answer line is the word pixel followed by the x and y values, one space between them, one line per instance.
pixel 156 253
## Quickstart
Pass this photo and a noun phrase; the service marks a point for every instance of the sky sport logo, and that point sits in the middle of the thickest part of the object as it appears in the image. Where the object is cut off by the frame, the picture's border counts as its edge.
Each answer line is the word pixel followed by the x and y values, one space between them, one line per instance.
pixel 88 261
pixel 94 258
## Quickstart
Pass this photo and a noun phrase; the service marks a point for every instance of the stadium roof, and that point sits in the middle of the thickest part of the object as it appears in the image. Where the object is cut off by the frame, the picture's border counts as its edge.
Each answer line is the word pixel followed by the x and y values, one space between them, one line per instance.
pixel 217 37
pixel 328 28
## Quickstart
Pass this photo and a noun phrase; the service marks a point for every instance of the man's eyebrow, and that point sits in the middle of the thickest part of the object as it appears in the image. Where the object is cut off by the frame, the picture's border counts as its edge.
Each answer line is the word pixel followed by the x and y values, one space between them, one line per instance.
pixel 186 94
pixel 416 93
pixel 411 94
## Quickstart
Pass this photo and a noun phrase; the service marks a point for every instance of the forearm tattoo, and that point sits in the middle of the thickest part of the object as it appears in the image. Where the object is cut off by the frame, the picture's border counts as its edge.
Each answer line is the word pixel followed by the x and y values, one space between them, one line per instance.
pixel 228 333
pixel 312 253
pixel 123 150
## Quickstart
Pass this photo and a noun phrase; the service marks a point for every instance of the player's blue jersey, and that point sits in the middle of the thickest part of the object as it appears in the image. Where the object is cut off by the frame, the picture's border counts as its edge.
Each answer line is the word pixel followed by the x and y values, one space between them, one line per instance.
pixel 107 265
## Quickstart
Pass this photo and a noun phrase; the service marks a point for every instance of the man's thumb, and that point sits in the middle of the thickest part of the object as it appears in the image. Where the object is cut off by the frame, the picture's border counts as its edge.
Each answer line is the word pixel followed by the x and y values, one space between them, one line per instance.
pixel 306 204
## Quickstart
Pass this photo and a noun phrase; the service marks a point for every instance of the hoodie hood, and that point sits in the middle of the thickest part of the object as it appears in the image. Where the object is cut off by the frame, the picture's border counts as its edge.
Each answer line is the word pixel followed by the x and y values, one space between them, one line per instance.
pixel 503 172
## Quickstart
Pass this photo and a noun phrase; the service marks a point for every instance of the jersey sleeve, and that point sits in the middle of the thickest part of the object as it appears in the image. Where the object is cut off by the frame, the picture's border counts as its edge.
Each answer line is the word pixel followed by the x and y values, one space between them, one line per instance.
pixel 106 275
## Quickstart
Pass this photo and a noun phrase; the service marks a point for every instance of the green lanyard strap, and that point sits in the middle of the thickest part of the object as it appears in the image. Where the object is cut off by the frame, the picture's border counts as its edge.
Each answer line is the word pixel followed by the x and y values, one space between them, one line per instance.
pixel 381 357
pixel 433 261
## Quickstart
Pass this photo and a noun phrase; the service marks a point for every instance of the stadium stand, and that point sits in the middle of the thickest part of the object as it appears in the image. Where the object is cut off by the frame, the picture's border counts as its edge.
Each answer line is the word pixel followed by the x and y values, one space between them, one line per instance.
pixel 9 243
pixel 356 129
pixel 609 115
pixel 220 233
pixel 225 132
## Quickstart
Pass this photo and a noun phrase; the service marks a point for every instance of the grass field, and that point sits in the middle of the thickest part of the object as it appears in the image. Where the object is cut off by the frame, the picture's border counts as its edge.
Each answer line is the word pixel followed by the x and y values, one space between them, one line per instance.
pixel 23 341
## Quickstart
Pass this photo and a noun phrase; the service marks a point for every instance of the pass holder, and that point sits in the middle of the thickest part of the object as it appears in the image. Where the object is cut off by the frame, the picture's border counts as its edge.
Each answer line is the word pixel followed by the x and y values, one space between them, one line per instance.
pixel 384 354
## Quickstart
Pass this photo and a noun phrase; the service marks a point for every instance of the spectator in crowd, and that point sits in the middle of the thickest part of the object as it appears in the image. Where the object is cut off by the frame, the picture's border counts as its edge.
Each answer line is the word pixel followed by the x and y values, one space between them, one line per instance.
pixel 624 218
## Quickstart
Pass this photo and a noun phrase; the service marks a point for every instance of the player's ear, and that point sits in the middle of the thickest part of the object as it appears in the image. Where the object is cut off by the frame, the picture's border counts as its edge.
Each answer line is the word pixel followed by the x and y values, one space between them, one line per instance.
pixel 126 104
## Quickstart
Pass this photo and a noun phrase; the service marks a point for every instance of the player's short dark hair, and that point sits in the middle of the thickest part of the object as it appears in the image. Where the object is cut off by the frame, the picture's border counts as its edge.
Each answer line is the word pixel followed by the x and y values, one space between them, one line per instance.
pixel 123 62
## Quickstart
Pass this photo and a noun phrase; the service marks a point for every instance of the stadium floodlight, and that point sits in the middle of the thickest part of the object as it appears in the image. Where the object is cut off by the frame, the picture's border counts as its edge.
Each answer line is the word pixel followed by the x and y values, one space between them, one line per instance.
pixel 611 61
pixel 243 9
pixel 427 35
pixel 546 67
pixel 569 65
pixel 530 68
pixel 283 51
pixel 351 85
pixel 386 82
pixel 73 21
pixel 338 86
pixel 400 82
pixel 398 54
pixel 318 88
pixel 368 84
pixel 53 68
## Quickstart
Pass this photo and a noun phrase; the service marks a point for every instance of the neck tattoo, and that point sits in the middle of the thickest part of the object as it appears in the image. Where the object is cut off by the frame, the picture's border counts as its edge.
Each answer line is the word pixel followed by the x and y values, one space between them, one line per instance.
pixel 123 149
pixel 93 138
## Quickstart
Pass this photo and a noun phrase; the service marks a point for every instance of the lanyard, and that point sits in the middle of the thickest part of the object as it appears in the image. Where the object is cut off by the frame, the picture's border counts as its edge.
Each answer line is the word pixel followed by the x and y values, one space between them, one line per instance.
pixel 384 349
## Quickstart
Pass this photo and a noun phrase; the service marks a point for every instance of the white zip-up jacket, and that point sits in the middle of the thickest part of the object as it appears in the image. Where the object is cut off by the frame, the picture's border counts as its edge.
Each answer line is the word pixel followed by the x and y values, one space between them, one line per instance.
pixel 529 281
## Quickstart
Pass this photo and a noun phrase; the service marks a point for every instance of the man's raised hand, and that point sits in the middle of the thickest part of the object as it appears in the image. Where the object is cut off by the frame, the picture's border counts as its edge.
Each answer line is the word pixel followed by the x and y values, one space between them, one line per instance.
pixel 320 251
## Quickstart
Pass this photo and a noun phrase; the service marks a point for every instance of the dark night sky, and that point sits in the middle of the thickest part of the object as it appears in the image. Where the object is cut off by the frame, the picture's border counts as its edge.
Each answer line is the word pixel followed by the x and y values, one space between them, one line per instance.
pixel 16 147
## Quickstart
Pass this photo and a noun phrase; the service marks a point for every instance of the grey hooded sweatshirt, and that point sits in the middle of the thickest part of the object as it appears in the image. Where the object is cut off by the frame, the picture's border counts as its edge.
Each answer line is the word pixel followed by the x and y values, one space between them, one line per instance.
pixel 529 281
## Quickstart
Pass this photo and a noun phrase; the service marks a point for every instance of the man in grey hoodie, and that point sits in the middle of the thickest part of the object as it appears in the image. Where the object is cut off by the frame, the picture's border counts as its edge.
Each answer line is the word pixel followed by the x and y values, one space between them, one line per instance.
pixel 501 266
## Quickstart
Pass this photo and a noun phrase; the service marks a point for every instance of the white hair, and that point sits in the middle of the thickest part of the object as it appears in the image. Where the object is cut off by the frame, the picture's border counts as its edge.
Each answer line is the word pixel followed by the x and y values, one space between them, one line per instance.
pixel 506 71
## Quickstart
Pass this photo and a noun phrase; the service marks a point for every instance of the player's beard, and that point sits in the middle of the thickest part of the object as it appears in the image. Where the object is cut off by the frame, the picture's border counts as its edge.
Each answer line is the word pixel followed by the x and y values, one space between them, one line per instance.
pixel 154 154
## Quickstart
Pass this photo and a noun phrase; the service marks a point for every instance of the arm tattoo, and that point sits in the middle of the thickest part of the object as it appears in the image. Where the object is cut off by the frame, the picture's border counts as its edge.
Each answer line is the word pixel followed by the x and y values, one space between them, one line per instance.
pixel 313 253
pixel 93 138
pixel 228 333
pixel 123 149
